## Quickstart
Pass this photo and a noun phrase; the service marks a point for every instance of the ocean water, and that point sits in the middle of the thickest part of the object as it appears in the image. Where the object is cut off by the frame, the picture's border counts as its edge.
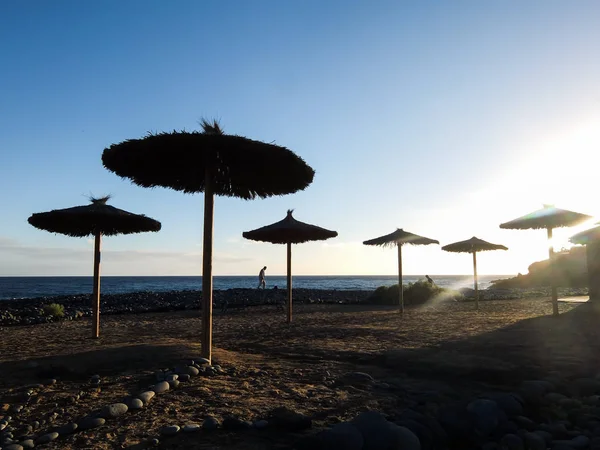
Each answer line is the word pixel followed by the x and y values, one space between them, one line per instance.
pixel 29 287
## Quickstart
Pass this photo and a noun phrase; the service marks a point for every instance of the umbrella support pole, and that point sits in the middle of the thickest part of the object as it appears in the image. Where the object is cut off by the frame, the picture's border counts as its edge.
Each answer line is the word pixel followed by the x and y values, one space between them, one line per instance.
pixel 553 273
pixel 96 288
pixel 209 200
pixel 400 287
pixel 475 279
pixel 289 282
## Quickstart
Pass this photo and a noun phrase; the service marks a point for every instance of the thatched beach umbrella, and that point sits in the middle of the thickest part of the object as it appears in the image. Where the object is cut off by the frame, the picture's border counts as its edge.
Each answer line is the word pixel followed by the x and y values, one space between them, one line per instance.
pixel 473 246
pixel 96 219
pixel 591 239
pixel 289 231
pixel 549 217
pixel 214 163
pixel 397 239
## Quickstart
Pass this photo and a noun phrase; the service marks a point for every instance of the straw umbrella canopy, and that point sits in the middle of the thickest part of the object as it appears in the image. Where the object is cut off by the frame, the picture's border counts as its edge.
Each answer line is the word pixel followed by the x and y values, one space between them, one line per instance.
pixel 591 239
pixel 96 219
pixel 289 231
pixel 549 217
pixel 214 163
pixel 397 239
pixel 473 246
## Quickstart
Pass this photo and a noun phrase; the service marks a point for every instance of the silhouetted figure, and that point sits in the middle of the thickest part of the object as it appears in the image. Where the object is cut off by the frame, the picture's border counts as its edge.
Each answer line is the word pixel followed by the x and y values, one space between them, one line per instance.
pixel 261 278
pixel 429 279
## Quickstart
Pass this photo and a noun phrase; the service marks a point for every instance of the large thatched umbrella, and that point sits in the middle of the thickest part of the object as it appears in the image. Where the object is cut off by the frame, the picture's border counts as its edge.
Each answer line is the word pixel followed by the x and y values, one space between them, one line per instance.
pixel 473 246
pixel 397 239
pixel 591 239
pixel 214 163
pixel 96 219
pixel 289 231
pixel 549 217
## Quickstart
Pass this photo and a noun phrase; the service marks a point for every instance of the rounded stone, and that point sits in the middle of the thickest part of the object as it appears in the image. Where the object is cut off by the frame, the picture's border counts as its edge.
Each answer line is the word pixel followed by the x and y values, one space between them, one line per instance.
pixel 342 436
pixel 28 443
pixel 202 361
pixel 174 384
pixel 90 422
pixel 191 428
pixel 261 424
pixel 49 437
pixel 170 430
pixel 114 410
pixel 172 377
pixel 512 442
pixel 534 441
pixel 146 396
pixel 66 429
pixel 136 403
pixel 161 387
pixel 14 447
pixel 184 377
pixel 210 423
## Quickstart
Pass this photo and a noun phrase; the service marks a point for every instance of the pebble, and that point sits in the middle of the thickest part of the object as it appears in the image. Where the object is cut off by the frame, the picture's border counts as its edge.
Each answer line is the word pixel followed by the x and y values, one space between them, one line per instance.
pixel 170 430
pixel 136 403
pixel 174 384
pixel 202 361
pixel 49 437
pixel 191 428
pixel 114 410
pixel 154 442
pixel 14 447
pixel 67 429
pixel 534 441
pixel 146 396
pixel 184 377
pixel 512 442
pixel 235 424
pixel 161 387
pixel 261 424
pixel 90 422
pixel 172 377
pixel 28 443
pixel 210 423
pixel 288 419
pixel 342 436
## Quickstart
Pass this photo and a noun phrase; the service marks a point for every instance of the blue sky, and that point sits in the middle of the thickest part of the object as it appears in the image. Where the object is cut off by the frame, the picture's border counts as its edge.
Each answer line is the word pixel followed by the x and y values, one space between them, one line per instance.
pixel 442 118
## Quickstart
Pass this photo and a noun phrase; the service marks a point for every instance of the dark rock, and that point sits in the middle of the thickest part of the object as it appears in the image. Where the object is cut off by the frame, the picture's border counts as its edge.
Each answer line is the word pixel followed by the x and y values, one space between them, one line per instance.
pixel 136 403
pixel 509 403
pixel 46 438
pixel 28 443
pixel 184 377
pixel 66 429
pixel 90 422
pixel 14 447
pixel 486 415
pixel 356 378
pixel 287 419
pixel 114 410
pixel 261 424
pixel 161 387
pixel 378 433
pixel 525 422
pixel 210 423
pixel 170 430
pixel 342 436
pixel 146 396
pixel 421 431
pixel 174 384
pixel 234 424
pixel 534 441
pixel 512 442
pixel 191 428
pixel 202 361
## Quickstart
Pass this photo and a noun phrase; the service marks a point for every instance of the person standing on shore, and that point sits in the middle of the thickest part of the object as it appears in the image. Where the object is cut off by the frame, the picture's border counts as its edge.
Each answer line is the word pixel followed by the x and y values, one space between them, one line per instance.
pixel 429 279
pixel 261 278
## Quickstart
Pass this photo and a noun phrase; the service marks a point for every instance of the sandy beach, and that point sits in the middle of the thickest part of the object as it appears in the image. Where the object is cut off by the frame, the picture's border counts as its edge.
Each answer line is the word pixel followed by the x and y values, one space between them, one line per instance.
pixel 432 356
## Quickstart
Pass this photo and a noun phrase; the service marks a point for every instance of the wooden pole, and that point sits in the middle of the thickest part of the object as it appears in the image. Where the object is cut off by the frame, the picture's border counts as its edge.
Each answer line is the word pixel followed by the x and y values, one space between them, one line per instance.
pixel 552 273
pixel 96 288
pixel 401 289
pixel 289 281
pixel 475 279
pixel 207 305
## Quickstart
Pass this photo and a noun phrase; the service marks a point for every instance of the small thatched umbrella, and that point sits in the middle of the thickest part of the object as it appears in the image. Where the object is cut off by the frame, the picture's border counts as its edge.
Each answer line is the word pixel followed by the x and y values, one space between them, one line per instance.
pixel 549 217
pixel 214 163
pixel 397 239
pixel 96 219
pixel 473 245
pixel 591 239
pixel 289 231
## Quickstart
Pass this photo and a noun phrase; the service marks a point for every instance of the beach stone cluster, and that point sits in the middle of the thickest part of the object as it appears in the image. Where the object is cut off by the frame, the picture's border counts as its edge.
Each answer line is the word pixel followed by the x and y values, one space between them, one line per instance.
pixel 15 435
pixel 31 312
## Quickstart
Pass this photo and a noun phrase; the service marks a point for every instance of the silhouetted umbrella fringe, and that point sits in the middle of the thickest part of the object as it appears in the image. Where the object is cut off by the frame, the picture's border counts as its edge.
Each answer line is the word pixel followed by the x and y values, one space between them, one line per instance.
pixel 289 231
pixel 591 239
pixel 549 217
pixel 96 219
pixel 399 238
pixel 244 168
pixel 214 163
pixel 587 236
pixel 473 246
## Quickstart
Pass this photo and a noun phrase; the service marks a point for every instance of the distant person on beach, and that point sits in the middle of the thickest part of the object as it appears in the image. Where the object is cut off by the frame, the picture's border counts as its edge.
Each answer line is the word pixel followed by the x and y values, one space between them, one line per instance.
pixel 261 278
pixel 429 279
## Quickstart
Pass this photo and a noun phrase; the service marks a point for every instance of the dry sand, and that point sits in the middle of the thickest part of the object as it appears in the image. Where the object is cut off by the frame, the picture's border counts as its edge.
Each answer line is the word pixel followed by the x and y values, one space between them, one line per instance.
pixel 432 355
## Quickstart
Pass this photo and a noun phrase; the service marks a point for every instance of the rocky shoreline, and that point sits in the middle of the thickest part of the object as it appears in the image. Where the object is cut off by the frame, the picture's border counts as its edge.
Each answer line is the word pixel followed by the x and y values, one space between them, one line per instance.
pixel 31 311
